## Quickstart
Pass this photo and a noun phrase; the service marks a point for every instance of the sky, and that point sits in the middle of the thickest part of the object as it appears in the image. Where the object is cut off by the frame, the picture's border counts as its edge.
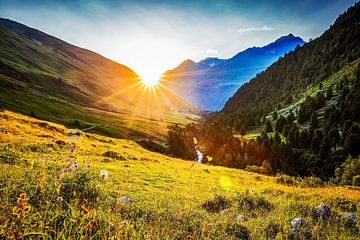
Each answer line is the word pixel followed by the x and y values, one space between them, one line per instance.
pixel 151 37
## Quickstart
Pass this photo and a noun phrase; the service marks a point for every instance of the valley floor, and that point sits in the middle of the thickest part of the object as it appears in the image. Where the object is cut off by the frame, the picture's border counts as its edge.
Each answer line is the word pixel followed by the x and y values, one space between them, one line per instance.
pixel 75 189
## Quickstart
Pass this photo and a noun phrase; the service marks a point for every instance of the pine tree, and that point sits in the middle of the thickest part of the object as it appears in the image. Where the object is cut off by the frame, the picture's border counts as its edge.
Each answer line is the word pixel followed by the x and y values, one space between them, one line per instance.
pixel 329 93
pixel 277 138
pixel 314 122
pixel 268 127
pixel 274 116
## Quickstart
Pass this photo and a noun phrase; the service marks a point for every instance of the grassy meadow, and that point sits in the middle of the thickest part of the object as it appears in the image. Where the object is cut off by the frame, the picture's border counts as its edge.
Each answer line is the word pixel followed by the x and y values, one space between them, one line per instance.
pixel 55 188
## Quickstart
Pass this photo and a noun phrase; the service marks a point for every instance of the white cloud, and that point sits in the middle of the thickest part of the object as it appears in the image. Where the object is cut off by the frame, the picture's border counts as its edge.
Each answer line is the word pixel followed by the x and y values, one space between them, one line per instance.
pixel 255 29
pixel 212 51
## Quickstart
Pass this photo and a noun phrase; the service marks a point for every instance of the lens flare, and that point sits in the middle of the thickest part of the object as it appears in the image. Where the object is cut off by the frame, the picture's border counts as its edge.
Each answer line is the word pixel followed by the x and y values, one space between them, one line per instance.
pixel 225 183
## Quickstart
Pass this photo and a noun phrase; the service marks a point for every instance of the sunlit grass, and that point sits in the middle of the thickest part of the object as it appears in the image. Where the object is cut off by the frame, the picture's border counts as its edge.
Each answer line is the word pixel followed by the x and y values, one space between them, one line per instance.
pixel 167 195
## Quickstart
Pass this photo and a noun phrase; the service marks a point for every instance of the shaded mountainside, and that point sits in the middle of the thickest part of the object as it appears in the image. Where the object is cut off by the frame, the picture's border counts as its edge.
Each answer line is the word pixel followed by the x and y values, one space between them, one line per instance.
pixel 210 82
pixel 284 81
pixel 53 80
pixel 300 116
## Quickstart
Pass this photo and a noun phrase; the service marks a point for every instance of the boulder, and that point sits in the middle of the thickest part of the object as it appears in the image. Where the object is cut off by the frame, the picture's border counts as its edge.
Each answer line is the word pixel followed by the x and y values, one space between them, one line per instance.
pixel 296 224
pixel 124 199
pixel 322 211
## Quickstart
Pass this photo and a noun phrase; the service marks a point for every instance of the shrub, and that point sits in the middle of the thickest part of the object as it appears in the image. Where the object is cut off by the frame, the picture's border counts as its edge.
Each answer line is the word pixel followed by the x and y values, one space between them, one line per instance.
pixel 238 231
pixel 347 171
pixel 311 182
pixel 356 180
pixel 285 179
pixel 249 201
pixel 217 204
pixel 272 230
pixel 298 181
pixel 265 168
pixel 115 155
pixel 79 185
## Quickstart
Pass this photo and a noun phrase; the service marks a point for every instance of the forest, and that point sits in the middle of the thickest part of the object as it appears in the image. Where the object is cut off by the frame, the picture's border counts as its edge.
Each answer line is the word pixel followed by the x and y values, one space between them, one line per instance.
pixel 320 138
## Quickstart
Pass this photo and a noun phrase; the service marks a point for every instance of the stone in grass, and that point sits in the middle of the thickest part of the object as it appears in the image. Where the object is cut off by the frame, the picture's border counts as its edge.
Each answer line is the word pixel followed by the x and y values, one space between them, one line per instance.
pixel 296 224
pixel 241 218
pixel 322 211
pixel 348 216
pixel 124 199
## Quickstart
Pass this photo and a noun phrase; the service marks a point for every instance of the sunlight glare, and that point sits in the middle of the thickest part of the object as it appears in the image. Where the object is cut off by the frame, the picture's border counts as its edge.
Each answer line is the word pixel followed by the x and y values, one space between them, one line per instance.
pixel 150 79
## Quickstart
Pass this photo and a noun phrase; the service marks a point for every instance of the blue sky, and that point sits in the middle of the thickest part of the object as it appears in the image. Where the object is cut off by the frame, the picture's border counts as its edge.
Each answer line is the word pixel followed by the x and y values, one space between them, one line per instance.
pixel 153 36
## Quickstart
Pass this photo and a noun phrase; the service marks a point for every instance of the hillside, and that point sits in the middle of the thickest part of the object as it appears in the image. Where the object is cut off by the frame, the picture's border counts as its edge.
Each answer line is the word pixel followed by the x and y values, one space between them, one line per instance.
pixel 210 82
pixel 300 116
pixel 54 80
pixel 67 195
pixel 287 79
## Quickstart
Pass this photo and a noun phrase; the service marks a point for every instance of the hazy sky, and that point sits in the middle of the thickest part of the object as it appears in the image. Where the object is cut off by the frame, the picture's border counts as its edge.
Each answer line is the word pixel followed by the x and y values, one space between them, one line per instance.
pixel 153 36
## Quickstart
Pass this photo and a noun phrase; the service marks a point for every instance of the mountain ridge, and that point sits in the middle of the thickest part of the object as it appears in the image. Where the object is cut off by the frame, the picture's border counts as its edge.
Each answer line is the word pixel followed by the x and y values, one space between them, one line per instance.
pixel 211 81
pixel 39 71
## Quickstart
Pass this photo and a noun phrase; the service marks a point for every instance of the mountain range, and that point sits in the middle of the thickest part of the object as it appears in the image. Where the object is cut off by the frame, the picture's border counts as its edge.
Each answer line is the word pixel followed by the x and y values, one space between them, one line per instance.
pixel 209 83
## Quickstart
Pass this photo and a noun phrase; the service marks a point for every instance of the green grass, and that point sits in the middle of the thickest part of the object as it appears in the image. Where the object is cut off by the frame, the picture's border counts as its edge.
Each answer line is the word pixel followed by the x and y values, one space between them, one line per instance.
pixel 93 90
pixel 170 200
pixel 348 71
pixel 106 123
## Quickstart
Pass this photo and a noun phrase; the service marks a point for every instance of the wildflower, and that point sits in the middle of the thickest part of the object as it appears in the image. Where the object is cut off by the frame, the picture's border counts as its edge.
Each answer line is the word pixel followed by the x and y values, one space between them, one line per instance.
pixel 84 210
pixel 70 134
pixel 52 140
pixel 22 205
pixel 27 208
pixel 15 210
pixel 72 150
pixel 88 166
pixel 84 161
pixel 104 174
pixel 209 158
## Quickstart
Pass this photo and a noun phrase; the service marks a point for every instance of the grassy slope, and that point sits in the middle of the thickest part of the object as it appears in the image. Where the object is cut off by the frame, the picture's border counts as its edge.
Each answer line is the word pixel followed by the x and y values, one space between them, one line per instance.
pixel 348 71
pixel 93 90
pixel 167 194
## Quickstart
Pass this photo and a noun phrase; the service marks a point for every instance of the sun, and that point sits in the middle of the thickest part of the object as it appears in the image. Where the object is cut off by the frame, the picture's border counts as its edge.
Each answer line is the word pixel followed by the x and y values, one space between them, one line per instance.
pixel 150 80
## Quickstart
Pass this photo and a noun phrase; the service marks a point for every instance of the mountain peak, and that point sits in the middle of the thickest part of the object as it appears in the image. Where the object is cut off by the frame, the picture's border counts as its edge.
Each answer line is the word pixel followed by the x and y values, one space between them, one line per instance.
pixel 289 37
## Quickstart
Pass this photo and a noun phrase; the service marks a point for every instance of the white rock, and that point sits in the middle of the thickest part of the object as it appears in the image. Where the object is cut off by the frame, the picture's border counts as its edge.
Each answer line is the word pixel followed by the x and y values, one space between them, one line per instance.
pixel 296 224
pixel 125 199
pixel 241 217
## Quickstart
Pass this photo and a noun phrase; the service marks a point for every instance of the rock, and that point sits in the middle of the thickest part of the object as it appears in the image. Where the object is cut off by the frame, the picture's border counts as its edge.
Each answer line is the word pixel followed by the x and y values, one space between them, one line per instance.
pixel 322 211
pixel 348 216
pixel 296 224
pixel 124 199
pixel 241 217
